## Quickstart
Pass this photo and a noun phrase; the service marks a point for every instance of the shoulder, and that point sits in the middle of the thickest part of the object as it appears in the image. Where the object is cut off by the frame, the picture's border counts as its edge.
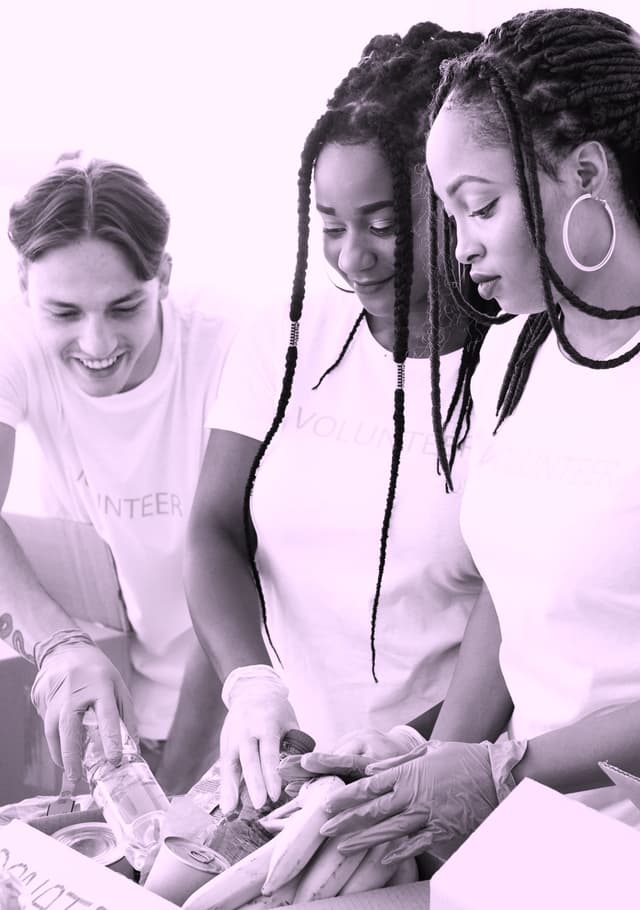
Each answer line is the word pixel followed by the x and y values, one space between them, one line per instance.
pixel 198 328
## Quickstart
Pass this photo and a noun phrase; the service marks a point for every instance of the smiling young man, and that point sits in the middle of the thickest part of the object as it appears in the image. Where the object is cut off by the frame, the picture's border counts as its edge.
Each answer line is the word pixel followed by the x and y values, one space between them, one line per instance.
pixel 114 381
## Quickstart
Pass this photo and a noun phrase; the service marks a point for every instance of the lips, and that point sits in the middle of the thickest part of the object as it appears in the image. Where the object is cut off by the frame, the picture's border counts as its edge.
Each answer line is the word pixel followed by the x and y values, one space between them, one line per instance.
pixel 486 284
pixel 370 287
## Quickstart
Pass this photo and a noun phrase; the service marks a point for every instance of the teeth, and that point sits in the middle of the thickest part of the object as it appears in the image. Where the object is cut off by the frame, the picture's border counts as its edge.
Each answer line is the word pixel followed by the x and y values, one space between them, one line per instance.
pixel 98 364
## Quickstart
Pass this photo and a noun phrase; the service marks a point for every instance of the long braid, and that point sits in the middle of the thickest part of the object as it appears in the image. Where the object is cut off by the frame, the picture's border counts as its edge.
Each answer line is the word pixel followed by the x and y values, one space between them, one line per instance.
pixel 403 271
pixel 308 157
pixel 382 100
pixel 556 78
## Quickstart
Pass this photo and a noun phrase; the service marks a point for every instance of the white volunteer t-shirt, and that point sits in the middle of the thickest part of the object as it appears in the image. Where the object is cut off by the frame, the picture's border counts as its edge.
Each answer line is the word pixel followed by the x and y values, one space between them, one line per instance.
pixel 318 506
pixel 551 513
pixel 129 464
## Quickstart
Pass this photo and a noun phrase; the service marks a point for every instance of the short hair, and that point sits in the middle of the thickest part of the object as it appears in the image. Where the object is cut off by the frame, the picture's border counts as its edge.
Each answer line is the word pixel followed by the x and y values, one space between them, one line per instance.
pixel 100 199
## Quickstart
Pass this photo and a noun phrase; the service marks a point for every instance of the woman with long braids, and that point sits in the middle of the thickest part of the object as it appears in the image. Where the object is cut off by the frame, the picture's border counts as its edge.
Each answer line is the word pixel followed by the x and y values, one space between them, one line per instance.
pixel 329 520
pixel 534 151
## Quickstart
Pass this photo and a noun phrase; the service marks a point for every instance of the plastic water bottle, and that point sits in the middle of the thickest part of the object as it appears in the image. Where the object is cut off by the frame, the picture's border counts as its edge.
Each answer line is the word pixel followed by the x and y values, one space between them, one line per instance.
pixel 132 801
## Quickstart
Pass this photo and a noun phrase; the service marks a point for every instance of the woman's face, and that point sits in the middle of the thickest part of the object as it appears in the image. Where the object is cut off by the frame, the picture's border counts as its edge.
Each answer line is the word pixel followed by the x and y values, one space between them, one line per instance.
pixel 354 195
pixel 95 316
pixel 477 186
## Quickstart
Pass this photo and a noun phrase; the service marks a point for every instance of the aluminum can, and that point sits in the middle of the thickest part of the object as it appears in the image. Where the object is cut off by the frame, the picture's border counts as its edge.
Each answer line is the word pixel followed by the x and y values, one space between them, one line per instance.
pixel 97 841
pixel 181 867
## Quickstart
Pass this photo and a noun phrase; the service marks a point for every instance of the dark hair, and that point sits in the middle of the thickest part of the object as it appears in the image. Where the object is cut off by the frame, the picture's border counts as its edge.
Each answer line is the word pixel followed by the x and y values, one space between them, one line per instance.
pixel 384 100
pixel 102 199
pixel 543 82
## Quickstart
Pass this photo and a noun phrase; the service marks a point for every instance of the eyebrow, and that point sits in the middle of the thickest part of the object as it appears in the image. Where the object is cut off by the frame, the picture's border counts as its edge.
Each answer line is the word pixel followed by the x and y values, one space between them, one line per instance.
pixel 464 178
pixel 363 209
pixel 62 304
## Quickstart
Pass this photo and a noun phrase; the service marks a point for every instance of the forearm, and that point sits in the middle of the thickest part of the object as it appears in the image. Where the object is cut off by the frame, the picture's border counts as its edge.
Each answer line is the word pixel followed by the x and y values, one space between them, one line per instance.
pixel 567 759
pixel 478 704
pixel 27 613
pixel 194 739
pixel 223 601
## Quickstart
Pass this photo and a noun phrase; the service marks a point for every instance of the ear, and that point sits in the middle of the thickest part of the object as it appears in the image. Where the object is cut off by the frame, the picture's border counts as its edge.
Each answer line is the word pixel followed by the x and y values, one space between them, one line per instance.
pixel 164 274
pixel 588 168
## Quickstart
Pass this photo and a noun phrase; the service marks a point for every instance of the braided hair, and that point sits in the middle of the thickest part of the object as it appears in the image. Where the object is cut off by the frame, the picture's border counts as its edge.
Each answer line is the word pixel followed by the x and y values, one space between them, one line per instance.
pixel 383 100
pixel 543 82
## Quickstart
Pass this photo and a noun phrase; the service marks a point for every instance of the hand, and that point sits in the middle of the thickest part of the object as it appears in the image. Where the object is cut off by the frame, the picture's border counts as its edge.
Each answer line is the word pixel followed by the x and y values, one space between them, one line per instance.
pixel 72 678
pixel 438 794
pixel 259 715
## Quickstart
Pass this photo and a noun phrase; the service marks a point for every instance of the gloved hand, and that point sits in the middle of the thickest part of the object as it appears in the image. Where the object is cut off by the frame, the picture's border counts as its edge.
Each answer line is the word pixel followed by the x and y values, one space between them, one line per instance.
pixel 438 794
pixel 355 751
pixel 259 714
pixel 74 674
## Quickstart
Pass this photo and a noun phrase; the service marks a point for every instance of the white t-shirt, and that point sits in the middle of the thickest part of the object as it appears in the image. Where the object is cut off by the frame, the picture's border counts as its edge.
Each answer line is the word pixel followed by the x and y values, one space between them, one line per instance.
pixel 318 506
pixel 551 513
pixel 129 464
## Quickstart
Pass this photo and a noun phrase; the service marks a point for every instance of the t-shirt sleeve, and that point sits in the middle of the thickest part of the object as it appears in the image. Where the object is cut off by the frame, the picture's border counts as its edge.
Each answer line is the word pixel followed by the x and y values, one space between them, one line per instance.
pixel 13 374
pixel 251 377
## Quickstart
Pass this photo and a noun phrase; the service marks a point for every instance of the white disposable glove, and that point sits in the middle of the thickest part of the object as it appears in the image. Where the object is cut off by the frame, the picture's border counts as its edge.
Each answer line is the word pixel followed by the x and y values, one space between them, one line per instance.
pixel 74 675
pixel 259 714
pixel 438 794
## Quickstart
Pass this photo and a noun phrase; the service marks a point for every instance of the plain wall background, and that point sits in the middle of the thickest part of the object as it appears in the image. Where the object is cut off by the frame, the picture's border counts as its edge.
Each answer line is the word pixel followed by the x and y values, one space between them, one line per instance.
pixel 211 101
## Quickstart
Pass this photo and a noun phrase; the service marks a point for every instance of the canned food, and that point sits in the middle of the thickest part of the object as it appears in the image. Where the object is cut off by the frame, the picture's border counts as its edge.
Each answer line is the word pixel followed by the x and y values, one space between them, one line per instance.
pixel 97 841
pixel 181 867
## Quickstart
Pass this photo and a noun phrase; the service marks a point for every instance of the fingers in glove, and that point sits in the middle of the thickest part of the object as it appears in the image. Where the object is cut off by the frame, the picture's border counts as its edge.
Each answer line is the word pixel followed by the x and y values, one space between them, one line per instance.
pixel 346 766
pixel 269 749
pixel 52 734
pixel 391 828
pixel 108 719
pixel 396 760
pixel 412 846
pixel 71 742
pixel 230 777
pixel 374 801
pixel 252 771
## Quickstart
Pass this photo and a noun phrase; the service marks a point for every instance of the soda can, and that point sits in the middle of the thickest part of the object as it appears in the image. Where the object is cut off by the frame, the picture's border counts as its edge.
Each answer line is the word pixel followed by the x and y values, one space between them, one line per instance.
pixel 97 841
pixel 181 867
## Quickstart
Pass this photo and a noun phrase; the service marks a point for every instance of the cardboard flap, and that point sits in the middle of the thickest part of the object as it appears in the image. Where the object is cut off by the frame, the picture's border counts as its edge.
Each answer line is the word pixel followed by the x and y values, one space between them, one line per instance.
pixel 74 565
pixel 627 784
pixel 541 849
pixel 55 875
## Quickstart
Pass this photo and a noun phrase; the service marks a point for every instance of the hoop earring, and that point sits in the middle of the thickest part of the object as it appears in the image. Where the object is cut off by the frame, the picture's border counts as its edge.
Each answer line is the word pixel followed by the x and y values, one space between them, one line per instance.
pixel 565 234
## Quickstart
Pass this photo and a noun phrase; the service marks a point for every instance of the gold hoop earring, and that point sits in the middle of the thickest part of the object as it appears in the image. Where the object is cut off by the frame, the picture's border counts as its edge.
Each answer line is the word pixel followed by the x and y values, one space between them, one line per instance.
pixel 565 234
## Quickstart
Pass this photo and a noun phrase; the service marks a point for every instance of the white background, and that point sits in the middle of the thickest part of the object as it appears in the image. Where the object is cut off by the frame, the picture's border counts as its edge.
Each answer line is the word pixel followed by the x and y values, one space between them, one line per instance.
pixel 211 101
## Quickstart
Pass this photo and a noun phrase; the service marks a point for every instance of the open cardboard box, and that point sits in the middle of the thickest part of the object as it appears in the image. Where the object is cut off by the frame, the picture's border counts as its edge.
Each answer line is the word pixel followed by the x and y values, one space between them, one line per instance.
pixel 75 566
pixel 539 850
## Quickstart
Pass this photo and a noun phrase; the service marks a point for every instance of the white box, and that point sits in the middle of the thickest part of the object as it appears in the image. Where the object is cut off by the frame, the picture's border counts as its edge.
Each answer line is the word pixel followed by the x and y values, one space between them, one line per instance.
pixel 540 850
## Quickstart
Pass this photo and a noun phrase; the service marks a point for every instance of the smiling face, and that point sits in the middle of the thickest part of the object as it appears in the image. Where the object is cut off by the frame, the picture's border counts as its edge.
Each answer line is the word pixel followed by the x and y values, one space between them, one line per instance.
pixel 95 316
pixel 477 186
pixel 354 195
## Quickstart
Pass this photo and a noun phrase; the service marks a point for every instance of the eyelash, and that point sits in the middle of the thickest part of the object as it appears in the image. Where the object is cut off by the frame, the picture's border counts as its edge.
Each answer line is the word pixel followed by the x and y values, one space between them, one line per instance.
pixel 486 211
pixel 128 311
pixel 385 231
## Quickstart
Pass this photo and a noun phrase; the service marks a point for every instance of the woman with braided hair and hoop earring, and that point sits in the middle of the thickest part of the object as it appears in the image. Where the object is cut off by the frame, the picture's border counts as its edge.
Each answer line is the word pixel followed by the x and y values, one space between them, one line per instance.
pixel 534 152
pixel 329 520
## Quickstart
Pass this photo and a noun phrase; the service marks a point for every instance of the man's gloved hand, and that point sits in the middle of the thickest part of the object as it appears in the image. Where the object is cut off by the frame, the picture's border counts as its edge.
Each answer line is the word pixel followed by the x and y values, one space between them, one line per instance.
pixel 259 714
pixel 353 752
pixel 437 794
pixel 74 675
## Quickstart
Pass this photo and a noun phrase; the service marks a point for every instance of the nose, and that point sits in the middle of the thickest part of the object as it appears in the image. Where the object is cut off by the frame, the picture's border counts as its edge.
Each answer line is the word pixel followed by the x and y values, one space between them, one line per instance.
pixel 355 255
pixel 468 247
pixel 96 337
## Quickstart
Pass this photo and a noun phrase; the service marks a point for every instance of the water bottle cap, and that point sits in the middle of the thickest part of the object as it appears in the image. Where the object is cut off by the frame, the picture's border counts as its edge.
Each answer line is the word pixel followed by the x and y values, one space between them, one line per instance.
pixel 297 742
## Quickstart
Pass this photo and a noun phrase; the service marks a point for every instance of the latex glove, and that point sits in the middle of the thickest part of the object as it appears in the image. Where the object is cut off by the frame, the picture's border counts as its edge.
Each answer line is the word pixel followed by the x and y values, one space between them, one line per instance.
pixel 71 678
pixel 437 794
pixel 259 714
pixel 353 752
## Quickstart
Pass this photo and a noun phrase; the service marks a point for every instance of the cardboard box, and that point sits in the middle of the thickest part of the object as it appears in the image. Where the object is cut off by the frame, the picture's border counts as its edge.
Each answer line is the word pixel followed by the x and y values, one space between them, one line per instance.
pixel 76 567
pixel 540 849
pixel 55 876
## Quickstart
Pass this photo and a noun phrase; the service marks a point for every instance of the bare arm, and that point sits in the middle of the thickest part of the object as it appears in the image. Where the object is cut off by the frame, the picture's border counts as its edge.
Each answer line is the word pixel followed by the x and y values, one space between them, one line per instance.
pixel 478 704
pixel 27 613
pixel 221 593
pixel 193 743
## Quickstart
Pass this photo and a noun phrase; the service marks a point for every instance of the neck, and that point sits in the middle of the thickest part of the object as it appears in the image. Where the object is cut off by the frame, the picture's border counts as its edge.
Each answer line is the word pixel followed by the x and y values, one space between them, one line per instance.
pixel 451 336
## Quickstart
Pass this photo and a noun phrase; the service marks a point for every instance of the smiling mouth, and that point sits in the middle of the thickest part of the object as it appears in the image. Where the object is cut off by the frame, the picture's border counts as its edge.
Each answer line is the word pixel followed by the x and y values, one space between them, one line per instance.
pixel 98 365
pixel 369 287
pixel 486 288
